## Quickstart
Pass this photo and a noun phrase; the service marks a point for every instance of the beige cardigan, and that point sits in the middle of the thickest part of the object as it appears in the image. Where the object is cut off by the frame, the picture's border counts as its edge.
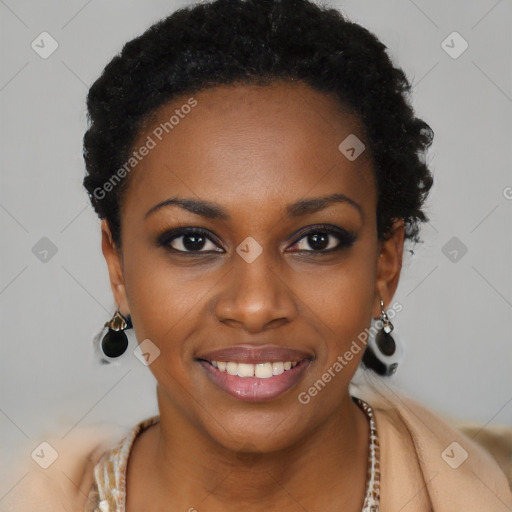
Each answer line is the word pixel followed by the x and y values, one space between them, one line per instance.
pixel 423 464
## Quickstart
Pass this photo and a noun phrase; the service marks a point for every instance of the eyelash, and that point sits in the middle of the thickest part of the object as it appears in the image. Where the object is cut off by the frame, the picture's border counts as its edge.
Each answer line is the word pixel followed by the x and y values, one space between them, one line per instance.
pixel 346 239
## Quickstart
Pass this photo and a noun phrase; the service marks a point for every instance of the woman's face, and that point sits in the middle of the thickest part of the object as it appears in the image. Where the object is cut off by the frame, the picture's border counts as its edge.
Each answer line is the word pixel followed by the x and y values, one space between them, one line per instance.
pixel 263 278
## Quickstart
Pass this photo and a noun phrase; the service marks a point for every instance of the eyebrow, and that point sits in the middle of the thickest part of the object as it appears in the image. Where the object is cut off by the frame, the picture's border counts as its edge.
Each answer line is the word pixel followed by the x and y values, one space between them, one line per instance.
pixel 293 210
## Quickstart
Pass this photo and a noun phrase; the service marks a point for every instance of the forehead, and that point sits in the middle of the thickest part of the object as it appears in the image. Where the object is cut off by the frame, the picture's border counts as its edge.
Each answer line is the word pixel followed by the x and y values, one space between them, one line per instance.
pixel 248 145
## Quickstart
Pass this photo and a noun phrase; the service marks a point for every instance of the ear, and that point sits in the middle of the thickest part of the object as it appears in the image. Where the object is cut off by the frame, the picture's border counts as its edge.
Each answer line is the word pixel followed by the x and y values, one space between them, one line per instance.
pixel 389 265
pixel 115 269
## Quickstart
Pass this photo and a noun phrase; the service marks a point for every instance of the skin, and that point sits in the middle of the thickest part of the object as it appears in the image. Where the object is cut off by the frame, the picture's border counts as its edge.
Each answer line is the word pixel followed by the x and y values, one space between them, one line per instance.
pixel 252 150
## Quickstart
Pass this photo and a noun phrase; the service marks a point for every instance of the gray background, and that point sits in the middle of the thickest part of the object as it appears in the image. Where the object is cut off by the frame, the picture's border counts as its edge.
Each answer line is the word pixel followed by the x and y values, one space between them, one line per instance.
pixel 456 319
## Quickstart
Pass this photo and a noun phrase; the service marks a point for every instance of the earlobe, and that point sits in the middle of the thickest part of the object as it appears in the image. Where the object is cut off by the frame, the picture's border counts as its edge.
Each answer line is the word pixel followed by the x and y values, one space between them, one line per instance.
pixel 115 270
pixel 389 266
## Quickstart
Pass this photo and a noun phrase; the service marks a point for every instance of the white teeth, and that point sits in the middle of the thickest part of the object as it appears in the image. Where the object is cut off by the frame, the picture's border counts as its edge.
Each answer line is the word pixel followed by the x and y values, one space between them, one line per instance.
pixel 259 370
pixel 245 370
pixel 277 368
pixel 231 368
pixel 263 370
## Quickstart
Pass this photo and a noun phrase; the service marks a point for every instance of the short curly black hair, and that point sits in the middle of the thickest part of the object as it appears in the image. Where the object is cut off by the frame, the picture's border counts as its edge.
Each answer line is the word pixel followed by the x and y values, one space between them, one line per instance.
pixel 260 41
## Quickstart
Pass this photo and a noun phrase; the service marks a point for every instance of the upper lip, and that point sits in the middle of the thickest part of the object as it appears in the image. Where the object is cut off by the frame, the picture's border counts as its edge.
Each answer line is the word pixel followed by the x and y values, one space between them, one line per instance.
pixel 256 354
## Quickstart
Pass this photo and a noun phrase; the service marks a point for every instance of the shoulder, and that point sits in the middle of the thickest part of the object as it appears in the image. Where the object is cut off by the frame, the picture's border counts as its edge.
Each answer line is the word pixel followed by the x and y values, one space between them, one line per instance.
pixel 457 473
pixel 56 476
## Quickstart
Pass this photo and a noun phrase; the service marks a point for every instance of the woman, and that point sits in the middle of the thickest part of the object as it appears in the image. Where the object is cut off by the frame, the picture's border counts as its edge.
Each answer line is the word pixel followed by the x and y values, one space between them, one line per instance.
pixel 258 169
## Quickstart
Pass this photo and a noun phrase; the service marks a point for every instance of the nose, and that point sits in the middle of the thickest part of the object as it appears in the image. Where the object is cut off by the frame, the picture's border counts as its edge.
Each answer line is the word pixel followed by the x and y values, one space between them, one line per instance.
pixel 255 296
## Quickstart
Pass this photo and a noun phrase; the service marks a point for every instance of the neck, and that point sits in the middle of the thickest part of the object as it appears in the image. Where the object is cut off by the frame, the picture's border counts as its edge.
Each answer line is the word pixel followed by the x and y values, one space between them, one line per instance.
pixel 328 464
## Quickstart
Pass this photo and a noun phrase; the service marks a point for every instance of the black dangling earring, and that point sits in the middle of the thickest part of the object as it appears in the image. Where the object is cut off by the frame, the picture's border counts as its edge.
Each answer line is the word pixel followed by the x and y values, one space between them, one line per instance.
pixel 115 342
pixel 383 339
pixel 381 348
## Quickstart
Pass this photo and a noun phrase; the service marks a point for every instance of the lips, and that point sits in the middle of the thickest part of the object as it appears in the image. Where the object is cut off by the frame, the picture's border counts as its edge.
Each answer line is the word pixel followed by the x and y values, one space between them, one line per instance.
pixel 251 388
pixel 256 354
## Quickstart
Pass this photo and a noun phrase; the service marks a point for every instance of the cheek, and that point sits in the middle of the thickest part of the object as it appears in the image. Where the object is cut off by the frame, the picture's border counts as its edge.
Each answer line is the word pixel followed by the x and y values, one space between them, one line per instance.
pixel 166 308
pixel 339 299
pixel 165 300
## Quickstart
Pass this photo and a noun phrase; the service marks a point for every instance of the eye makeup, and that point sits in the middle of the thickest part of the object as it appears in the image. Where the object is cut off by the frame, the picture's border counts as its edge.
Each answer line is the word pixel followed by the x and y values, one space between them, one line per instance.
pixel 194 240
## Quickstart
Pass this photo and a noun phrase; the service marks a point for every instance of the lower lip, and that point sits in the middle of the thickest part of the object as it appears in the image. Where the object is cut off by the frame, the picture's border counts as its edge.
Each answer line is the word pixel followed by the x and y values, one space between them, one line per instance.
pixel 253 389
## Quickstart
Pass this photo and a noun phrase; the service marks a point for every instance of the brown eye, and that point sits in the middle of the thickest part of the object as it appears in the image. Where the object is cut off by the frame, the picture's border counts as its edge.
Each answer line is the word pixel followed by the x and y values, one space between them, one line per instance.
pixel 192 240
pixel 324 239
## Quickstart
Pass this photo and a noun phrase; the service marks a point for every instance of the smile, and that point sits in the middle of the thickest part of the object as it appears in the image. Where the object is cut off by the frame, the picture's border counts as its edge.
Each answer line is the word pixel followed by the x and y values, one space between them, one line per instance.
pixel 259 370
pixel 255 382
